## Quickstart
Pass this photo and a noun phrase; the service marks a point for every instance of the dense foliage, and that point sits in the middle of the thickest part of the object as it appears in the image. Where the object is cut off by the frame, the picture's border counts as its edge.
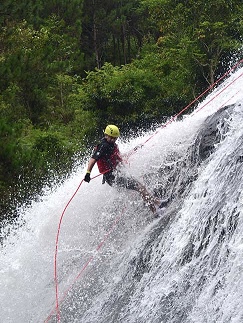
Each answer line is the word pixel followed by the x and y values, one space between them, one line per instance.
pixel 68 68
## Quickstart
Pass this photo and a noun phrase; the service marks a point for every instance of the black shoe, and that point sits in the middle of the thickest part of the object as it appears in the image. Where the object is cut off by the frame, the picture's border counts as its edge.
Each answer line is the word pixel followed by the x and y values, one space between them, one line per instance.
pixel 164 202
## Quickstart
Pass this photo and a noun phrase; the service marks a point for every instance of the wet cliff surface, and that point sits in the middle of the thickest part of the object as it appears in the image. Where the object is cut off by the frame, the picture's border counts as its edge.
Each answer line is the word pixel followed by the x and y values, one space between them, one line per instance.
pixel 184 268
pixel 115 262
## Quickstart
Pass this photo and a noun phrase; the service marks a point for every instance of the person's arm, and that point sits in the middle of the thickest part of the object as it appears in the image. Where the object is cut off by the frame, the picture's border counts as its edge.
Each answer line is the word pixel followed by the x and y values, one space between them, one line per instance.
pixel 91 164
pixel 98 153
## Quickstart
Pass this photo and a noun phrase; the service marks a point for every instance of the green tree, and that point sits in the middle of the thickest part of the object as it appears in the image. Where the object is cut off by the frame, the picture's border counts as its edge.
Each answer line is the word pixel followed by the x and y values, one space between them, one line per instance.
pixel 208 31
pixel 36 11
pixel 132 93
pixel 30 60
pixel 112 31
pixel 151 58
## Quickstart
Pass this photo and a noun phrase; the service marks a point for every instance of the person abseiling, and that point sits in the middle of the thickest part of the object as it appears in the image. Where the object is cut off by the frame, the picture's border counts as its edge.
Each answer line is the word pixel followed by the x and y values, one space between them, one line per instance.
pixel 109 162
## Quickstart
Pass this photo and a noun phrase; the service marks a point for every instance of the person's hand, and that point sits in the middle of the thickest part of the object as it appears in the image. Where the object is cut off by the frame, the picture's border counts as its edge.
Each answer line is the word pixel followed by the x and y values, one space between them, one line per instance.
pixel 87 177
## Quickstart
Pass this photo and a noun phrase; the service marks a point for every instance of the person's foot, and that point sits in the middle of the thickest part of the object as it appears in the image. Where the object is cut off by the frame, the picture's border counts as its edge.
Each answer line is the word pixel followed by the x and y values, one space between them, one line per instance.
pixel 152 207
pixel 153 203
pixel 163 203
pixel 159 206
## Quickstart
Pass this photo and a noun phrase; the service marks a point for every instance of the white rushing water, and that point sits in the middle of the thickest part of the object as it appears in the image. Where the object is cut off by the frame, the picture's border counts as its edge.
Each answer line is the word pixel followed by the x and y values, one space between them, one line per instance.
pixel 115 263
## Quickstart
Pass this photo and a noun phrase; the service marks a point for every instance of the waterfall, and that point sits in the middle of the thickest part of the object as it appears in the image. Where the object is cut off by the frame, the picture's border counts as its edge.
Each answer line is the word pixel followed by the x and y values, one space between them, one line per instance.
pixel 115 262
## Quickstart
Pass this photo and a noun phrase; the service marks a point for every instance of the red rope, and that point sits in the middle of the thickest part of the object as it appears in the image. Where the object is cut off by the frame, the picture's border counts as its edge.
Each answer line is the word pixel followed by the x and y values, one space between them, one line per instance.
pixel 220 92
pixel 58 302
pixel 56 251
pixel 224 104
pixel 187 107
pixel 117 219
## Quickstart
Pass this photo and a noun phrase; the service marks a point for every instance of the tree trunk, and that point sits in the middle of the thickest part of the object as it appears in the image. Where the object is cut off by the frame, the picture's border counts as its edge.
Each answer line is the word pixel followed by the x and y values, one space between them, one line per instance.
pixel 95 38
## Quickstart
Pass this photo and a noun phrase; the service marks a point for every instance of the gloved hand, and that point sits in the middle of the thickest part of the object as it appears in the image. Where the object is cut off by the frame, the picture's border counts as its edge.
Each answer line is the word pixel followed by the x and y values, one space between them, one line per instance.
pixel 87 177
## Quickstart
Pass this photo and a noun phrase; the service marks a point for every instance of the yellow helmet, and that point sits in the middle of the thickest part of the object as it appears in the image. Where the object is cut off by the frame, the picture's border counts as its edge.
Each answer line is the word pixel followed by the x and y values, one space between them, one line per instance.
pixel 112 131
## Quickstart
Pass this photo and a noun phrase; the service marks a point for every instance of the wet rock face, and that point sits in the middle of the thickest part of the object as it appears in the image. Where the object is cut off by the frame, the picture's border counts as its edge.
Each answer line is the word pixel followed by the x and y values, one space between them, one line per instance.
pixel 179 172
pixel 214 130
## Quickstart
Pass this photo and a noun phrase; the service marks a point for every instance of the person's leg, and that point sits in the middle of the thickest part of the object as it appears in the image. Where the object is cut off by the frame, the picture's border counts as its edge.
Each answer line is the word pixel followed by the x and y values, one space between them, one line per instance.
pixel 151 200
pixel 108 178
pixel 132 184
